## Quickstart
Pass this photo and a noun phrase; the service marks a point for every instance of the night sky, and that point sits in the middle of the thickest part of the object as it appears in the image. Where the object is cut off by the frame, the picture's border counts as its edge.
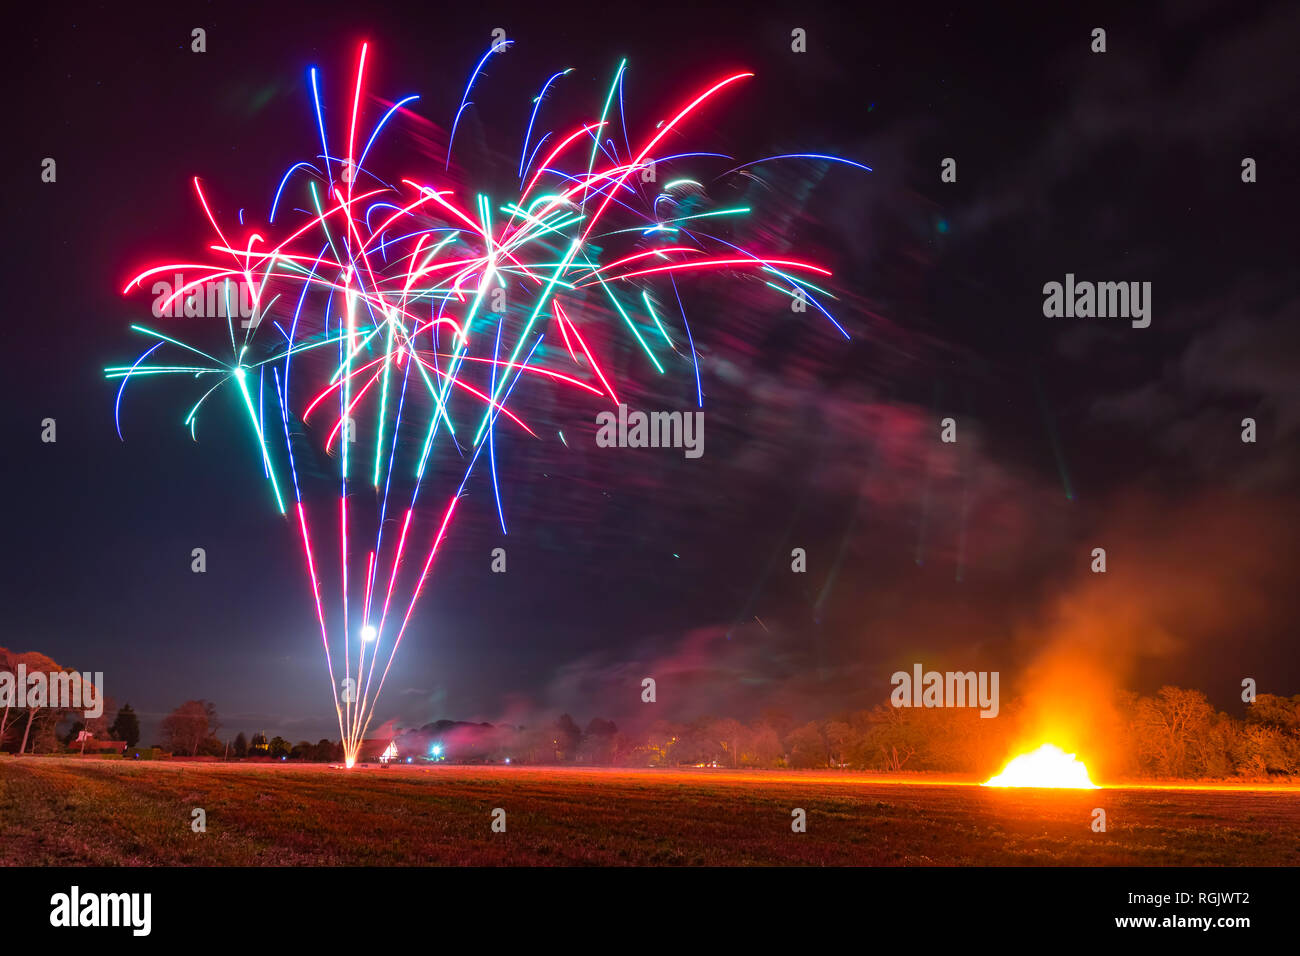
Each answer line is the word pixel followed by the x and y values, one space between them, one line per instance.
pixel 1073 433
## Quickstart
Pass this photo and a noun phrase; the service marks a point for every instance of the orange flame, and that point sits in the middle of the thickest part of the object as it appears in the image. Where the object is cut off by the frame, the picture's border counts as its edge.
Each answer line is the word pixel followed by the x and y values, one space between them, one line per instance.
pixel 1048 766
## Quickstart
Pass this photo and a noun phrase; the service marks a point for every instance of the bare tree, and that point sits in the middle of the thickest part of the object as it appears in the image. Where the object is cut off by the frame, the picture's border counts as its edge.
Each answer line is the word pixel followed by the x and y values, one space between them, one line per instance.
pixel 894 735
pixel 727 732
pixel 896 756
pixel 36 662
pixel 1171 726
pixel 186 727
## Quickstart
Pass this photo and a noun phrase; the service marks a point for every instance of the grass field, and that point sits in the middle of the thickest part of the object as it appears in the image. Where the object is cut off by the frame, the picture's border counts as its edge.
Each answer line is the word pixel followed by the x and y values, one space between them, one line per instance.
pixel 102 812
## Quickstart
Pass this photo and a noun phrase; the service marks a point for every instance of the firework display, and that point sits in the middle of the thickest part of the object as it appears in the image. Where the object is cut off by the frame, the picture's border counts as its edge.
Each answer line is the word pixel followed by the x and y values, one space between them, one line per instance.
pixel 389 323
pixel 701 437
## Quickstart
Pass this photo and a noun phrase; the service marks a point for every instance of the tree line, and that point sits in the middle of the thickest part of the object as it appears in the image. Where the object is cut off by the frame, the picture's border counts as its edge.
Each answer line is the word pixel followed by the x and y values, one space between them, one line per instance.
pixel 1174 733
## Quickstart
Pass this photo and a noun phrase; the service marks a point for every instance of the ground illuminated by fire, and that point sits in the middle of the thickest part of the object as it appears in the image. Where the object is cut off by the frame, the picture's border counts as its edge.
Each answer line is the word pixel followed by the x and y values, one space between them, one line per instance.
pixel 100 812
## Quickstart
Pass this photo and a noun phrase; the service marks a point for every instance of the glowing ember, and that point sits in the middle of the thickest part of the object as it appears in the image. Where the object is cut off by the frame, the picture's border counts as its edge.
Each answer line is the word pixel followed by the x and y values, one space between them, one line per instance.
pixel 1048 766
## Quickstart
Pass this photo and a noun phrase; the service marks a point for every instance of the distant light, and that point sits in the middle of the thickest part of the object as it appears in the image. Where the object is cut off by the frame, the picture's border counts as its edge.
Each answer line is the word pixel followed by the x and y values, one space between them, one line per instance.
pixel 436 750
pixel 507 760
pixel 368 633
pixel 409 759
